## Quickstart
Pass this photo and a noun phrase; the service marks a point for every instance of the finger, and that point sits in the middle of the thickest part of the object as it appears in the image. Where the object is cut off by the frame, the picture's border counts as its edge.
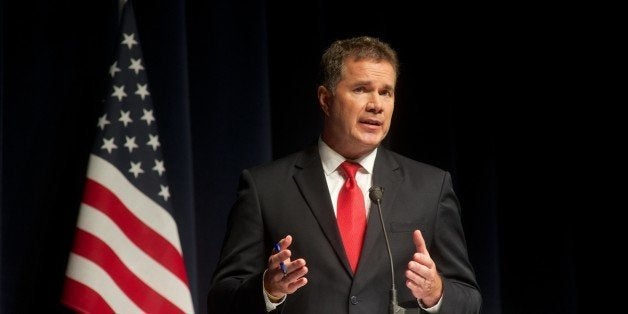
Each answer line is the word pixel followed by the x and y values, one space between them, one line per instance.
pixel 419 269
pixel 282 246
pixel 414 277
pixel 274 262
pixel 276 258
pixel 292 287
pixel 295 275
pixel 290 283
pixel 423 259
pixel 416 289
pixel 419 242
pixel 413 285
pixel 285 242
pixel 295 265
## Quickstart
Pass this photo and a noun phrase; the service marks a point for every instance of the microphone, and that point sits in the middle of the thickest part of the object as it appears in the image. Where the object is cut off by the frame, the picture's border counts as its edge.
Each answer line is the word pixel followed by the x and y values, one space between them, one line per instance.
pixel 376 193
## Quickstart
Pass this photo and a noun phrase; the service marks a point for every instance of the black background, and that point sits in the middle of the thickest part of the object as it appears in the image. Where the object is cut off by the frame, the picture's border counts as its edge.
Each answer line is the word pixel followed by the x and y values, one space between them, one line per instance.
pixel 506 98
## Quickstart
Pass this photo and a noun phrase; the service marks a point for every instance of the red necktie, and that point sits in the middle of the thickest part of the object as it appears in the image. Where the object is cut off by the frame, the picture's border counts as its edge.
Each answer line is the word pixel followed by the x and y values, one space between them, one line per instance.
pixel 351 214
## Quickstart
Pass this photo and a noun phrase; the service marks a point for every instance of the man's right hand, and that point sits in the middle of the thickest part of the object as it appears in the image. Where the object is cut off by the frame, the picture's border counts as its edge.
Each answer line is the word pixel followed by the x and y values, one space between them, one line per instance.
pixel 276 283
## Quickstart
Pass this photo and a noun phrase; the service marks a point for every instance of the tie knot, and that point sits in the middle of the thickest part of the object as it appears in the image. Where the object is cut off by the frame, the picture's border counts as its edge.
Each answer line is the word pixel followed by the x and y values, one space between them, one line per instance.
pixel 350 168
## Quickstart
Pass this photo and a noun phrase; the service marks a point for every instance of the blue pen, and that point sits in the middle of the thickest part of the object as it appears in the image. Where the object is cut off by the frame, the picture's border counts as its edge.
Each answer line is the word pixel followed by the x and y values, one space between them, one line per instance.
pixel 281 264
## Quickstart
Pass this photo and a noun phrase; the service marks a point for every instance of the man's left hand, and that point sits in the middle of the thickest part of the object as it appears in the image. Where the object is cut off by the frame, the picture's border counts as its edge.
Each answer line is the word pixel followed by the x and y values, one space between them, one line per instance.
pixel 422 278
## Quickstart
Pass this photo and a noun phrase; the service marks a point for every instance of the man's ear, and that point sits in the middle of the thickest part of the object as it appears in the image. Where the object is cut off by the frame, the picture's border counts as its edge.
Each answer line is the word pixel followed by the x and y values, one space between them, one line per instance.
pixel 324 99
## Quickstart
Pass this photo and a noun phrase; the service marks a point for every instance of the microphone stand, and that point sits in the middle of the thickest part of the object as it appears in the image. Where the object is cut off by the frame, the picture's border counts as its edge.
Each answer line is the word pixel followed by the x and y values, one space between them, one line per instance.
pixel 376 194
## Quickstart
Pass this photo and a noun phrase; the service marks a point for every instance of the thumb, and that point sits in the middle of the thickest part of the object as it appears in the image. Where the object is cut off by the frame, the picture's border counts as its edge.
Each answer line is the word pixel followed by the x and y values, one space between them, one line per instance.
pixel 419 242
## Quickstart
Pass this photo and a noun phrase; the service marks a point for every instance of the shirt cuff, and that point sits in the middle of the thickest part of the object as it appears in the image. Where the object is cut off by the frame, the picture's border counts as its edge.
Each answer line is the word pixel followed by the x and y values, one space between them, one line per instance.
pixel 270 305
pixel 433 309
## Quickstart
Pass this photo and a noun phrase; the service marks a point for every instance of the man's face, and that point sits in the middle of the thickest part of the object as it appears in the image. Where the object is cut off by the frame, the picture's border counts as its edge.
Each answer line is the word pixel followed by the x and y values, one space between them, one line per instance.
pixel 359 112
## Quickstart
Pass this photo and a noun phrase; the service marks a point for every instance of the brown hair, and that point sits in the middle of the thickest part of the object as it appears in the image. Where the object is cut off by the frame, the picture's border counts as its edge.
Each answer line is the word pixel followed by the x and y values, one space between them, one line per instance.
pixel 359 48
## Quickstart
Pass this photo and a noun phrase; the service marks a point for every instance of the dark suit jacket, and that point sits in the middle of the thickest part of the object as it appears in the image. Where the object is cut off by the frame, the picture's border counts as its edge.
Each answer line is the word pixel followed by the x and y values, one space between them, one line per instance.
pixel 290 196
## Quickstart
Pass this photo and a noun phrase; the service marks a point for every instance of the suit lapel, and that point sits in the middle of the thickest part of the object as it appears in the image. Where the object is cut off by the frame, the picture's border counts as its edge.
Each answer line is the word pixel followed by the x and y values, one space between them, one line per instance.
pixel 387 174
pixel 310 179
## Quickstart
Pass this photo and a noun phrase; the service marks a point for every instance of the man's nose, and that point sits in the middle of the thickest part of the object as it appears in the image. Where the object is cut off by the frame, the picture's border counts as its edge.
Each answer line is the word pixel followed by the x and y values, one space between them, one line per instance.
pixel 375 104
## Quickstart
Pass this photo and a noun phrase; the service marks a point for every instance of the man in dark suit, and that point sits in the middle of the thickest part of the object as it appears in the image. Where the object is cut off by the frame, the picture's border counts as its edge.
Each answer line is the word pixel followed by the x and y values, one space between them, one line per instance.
pixel 332 255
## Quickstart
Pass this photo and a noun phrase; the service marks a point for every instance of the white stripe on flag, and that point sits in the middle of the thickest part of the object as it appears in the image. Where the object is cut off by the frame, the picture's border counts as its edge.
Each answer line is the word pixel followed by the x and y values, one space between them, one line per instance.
pixel 91 275
pixel 149 212
pixel 142 265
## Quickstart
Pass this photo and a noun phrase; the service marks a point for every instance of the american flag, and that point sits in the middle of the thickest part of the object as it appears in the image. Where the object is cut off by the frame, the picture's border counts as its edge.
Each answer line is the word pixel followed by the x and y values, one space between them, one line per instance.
pixel 127 256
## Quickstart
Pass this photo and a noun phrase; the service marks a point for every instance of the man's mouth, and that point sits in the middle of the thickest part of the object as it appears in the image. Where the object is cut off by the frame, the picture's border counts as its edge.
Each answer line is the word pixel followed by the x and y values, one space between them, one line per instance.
pixel 373 122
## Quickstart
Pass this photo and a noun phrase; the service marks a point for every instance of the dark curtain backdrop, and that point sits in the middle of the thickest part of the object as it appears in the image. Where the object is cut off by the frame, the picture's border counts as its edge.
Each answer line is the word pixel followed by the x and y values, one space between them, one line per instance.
pixel 482 93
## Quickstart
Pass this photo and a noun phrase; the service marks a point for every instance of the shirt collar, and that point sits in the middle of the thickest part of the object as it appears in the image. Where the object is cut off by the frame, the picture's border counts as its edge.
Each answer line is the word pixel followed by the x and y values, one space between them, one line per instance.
pixel 331 159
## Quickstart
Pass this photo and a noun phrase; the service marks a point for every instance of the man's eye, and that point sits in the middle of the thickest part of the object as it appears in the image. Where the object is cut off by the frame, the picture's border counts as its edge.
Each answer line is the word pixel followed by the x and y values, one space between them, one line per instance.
pixel 386 93
pixel 359 90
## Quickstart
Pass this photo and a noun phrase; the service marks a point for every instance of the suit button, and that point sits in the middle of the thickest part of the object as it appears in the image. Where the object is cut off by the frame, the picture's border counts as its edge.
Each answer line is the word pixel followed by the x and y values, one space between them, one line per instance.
pixel 354 300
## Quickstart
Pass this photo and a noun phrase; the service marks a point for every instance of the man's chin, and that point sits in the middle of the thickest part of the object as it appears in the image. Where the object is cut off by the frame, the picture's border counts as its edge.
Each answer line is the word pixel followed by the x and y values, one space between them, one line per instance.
pixel 367 147
pixel 371 140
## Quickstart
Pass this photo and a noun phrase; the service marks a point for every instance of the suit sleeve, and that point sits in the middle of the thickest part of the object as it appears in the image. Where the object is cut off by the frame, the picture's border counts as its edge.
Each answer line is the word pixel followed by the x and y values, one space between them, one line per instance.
pixel 460 290
pixel 237 283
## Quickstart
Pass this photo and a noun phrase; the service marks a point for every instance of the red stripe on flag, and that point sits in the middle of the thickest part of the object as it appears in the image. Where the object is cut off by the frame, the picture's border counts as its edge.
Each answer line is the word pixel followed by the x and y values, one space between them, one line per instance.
pixel 83 299
pixel 92 248
pixel 151 242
